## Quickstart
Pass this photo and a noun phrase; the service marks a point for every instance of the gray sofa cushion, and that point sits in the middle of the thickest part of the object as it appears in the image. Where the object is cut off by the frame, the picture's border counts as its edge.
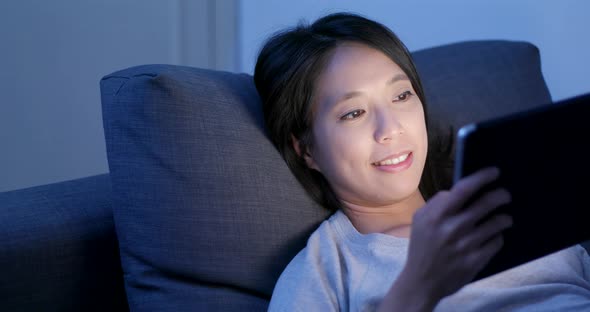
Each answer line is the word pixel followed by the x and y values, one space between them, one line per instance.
pixel 201 197
pixel 205 207
pixel 59 250
pixel 473 81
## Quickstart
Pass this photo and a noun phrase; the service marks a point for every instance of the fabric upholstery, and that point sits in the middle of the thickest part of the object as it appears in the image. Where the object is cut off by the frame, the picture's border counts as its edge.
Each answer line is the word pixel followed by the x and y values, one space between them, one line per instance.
pixel 201 198
pixel 59 250
pixel 473 81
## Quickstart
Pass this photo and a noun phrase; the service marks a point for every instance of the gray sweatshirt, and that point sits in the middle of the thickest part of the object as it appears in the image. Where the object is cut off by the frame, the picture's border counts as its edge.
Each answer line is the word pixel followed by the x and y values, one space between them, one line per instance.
pixel 343 270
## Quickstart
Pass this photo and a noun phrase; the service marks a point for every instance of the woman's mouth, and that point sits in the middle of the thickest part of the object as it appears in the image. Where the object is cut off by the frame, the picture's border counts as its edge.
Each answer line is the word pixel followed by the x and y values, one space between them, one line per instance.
pixel 395 164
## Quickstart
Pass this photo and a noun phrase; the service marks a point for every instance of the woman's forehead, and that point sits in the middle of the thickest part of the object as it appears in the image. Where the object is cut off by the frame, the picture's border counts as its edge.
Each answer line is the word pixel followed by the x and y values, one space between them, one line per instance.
pixel 355 68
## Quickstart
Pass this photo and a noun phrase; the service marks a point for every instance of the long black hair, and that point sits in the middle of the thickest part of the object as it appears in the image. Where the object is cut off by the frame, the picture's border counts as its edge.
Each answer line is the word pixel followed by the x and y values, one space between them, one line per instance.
pixel 286 73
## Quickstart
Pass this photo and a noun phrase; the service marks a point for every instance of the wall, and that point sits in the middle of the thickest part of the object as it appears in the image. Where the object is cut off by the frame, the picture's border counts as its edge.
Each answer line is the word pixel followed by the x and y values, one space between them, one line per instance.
pixel 52 56
pixel 558 28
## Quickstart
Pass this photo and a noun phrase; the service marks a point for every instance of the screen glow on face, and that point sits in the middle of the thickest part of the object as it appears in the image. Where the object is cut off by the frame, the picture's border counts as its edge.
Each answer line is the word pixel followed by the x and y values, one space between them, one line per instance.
pixel 369 133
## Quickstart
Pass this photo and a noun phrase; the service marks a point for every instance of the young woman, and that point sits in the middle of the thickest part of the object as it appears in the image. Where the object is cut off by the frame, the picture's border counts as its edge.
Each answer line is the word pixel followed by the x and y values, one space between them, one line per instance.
pixel 344 105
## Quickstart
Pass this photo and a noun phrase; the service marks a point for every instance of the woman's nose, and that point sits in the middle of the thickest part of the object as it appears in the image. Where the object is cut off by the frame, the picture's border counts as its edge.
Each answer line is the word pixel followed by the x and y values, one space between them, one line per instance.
pixel 388 127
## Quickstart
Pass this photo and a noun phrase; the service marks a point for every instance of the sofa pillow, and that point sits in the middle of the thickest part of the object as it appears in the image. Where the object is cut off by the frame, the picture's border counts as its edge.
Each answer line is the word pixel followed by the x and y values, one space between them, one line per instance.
pixel 473 81
pixel 207 213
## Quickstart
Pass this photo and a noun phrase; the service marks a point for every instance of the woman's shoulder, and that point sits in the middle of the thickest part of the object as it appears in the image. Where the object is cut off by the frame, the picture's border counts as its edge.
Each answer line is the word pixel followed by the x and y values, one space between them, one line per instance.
pixel 327 241
pixel 334 229
pixel 336 247
pixel 335 258
pixel 313 275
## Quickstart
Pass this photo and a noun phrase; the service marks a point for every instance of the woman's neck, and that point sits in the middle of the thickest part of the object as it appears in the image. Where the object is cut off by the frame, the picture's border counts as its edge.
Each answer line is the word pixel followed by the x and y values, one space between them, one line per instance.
pixel 394 219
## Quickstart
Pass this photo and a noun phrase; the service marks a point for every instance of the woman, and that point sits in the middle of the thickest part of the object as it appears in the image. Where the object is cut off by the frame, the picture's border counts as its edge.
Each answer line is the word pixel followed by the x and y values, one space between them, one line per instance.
pixel 345 107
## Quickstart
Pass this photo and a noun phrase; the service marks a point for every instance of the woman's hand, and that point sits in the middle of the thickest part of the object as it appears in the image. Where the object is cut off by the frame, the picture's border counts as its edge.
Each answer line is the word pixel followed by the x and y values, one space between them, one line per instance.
pixel 451 242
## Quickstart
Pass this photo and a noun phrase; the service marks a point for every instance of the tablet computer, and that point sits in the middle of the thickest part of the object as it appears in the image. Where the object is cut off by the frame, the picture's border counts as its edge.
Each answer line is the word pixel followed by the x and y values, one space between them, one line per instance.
pixel 544 160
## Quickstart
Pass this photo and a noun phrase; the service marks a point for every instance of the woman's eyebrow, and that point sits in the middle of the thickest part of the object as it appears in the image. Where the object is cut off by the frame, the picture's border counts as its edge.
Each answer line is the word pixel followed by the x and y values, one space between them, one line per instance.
pixel 397 78
pixel 352 94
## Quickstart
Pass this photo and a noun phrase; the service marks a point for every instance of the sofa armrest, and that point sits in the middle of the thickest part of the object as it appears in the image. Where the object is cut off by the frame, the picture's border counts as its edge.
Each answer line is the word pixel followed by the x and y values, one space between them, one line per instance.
pixel 58 248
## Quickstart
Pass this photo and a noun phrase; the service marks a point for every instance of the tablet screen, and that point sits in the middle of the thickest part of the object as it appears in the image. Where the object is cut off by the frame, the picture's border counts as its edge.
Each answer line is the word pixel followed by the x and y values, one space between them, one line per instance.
pixel 544 163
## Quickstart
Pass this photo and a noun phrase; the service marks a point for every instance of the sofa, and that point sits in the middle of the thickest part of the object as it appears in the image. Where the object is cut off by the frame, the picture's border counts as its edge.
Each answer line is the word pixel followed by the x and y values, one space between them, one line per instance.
pixel 198 211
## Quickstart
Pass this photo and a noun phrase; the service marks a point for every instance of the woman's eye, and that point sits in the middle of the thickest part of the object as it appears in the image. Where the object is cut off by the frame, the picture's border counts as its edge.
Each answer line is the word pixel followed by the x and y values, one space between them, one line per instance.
pixel 353 115
pixel 404 96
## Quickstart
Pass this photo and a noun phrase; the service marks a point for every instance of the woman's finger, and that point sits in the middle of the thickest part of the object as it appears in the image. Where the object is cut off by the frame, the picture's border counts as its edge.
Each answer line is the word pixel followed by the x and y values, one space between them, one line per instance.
pixel 482 207
pixel 480 257
pixel 461 224
pixel 464 190
pixel 484 232
pixel 487 203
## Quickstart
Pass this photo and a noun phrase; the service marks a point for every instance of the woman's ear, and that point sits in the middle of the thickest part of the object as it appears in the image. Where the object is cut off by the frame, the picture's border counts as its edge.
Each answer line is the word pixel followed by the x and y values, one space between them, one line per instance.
pixel 305 154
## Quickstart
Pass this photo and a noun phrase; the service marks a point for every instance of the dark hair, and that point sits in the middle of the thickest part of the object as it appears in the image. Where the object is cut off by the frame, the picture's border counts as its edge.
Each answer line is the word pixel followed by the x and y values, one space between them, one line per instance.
pixel 286 73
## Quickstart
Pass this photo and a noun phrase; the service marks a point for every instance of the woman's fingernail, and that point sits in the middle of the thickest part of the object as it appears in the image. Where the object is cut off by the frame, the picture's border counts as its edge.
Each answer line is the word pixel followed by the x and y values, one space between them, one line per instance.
pixel 495 172
pixel 507 195
pixel 509 221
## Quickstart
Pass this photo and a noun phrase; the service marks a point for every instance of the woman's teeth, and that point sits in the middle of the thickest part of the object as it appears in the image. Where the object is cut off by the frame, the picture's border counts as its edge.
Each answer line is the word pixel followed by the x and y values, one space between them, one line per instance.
pixel 392 161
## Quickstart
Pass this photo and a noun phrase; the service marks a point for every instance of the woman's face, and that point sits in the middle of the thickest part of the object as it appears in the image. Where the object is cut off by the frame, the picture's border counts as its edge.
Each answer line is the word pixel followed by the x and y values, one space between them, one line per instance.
pixel 369 134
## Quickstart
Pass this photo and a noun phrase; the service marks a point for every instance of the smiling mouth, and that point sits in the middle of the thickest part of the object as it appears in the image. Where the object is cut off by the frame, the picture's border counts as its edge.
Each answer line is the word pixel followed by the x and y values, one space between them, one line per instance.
pixel 393 161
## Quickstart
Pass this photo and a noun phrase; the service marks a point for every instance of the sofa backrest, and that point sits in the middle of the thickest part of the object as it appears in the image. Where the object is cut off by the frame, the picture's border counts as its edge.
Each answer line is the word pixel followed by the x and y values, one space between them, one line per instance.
pixel 207 213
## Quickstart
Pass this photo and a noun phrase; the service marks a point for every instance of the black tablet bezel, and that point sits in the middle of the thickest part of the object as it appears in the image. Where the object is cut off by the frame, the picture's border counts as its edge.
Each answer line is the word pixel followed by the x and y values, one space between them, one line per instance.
pixel 544 221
